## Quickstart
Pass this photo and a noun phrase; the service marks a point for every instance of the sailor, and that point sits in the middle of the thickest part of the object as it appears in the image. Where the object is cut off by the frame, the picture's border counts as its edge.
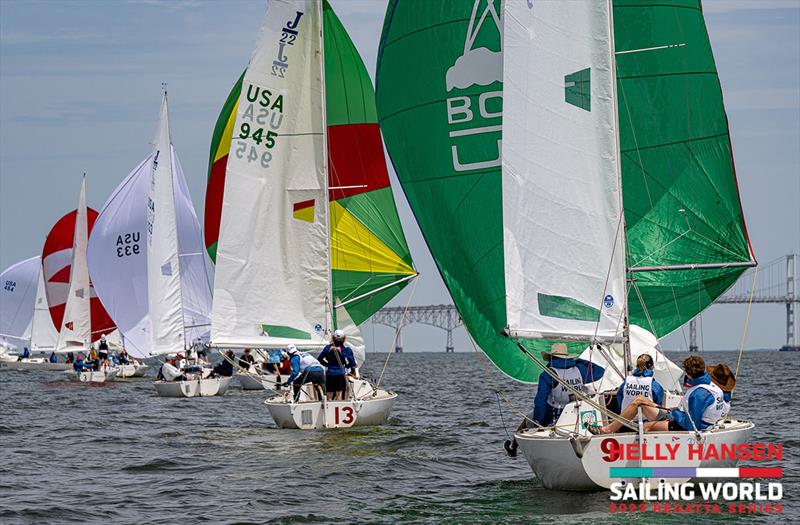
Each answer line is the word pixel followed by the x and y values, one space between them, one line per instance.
pixel 640 383
pixel 247 360
pixel 305 369
pixel 26 354
pixel 702 405
pixel 53 357
pixel 170 372
pixel 552 396
pixel 102 350
pixel 180 361
pixel 70 357
pixel 123 357
pixel 722 376
pixel 225 367
pixel 81 364
pixel 338 359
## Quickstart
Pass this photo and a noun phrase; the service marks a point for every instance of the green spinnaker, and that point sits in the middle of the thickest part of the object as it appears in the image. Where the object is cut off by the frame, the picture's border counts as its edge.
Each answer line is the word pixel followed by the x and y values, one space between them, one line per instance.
pixel 679 187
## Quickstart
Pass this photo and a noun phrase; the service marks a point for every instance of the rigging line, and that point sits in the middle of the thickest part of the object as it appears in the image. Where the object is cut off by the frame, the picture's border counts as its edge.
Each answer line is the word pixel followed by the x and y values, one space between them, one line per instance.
pixel 653 331
pixel 636 144
pixel 659 249
pixel 502 419
pixel 527 418
pixel 580 395
pixel 397 332
pixel 746 322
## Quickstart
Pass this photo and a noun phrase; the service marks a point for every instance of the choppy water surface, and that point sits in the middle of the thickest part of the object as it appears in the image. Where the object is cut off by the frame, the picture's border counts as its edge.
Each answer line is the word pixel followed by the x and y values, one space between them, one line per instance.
pixel 116 453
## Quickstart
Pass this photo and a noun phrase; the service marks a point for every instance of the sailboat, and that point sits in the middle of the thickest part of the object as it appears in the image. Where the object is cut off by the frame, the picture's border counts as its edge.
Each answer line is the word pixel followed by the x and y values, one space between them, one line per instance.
pixel 25 317
pixel 570 166
pixel 300 217
pixel 75 334
pixel 149 232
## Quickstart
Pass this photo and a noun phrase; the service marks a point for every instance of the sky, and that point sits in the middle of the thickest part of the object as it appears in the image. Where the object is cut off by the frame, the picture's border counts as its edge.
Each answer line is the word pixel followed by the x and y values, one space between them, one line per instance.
pixel 80 88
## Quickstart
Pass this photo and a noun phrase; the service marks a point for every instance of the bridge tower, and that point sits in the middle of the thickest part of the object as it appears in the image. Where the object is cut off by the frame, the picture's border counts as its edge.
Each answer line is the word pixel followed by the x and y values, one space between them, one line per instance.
pixel 792 343
pixel 693 335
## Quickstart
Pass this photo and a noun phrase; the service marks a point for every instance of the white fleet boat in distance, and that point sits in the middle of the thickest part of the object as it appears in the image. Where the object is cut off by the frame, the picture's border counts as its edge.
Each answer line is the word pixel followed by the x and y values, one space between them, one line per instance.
pixel 300 216
pixel 76 326
pixel 581 152
pixel 148 232
pixel 25 319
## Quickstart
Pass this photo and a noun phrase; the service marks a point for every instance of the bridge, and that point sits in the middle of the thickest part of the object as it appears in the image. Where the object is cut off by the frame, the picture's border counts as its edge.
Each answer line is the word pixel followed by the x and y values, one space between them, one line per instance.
pixel 775 284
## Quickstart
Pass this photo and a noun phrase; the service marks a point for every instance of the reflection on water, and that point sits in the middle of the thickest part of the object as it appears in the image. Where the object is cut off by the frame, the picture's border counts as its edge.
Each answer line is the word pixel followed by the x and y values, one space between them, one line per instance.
pixel 131 457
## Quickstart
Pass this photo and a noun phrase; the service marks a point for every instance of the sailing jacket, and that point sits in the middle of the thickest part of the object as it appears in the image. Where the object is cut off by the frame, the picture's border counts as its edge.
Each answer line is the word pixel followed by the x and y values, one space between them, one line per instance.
pixel 543 412
pixel 337 364
pixel 696 401
pixel 656 390
pixel 301 362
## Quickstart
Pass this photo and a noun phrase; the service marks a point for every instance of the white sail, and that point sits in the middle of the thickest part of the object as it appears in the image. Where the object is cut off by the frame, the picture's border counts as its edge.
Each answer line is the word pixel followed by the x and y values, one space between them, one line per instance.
pixel 18 284
pixel 354 337
pixel 272 279
pixel 44 336
pixel 118 246
pixel 76 327
pixel 562 209
pixel 163 265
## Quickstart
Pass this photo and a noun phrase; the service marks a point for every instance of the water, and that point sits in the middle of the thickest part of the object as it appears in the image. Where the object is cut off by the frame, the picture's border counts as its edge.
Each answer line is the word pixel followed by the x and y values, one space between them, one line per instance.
pixel 117 453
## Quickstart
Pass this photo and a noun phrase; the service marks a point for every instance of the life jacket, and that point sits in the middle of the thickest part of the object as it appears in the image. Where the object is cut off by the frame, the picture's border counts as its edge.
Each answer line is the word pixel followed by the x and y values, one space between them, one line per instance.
pixel 715 411
pixel 636 386
pixel 559 395
pixel 308 361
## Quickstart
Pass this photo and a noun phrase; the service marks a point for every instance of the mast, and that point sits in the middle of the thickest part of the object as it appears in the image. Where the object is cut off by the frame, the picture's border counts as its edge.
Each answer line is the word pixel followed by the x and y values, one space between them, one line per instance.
pixel 325 166
pixel 626 329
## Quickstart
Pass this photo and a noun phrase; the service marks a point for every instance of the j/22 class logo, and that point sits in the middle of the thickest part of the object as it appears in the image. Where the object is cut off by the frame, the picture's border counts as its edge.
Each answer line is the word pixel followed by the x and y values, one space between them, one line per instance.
pixel 474 117
pixel 128 244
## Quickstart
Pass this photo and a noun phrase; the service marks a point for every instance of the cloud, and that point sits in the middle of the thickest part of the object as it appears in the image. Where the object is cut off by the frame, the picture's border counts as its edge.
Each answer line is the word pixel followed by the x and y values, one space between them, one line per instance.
pixel 43 38
pixel 479 66
pixel 727 6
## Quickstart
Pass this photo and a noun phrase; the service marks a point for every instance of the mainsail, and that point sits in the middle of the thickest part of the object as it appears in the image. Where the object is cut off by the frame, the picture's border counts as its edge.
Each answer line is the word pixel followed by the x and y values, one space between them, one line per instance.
pixel 118 246
pixel 56 268
pixel 443 127
pixel 370 260
pixel 76 325
pixel 272 279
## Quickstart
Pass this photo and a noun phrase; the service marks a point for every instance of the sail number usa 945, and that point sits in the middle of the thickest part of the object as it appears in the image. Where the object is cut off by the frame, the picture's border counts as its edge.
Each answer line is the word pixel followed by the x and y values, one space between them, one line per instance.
pixel 259 125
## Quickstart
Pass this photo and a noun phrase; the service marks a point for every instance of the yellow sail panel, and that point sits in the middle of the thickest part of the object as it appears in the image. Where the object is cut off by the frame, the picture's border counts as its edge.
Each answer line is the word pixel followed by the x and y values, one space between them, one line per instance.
pixel 355 248
pixel 225 145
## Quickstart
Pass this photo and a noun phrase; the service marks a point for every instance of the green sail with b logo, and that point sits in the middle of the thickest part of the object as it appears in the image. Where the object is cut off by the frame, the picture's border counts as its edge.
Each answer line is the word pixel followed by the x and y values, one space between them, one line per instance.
pixel 440 99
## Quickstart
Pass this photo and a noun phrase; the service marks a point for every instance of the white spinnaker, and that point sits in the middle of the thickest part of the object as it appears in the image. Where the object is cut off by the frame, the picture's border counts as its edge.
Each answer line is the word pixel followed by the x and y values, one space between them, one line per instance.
pixel 18 285
pixel 118 246
pixel 163 264
pixel 76 327
pixel 562 205
pixel 642 342
pixel 44 336
pixel 272 279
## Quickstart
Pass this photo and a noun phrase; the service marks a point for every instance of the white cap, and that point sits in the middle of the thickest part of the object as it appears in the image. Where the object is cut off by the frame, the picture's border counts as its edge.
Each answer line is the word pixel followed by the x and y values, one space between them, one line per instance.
pixel 338 334
pixel 291 349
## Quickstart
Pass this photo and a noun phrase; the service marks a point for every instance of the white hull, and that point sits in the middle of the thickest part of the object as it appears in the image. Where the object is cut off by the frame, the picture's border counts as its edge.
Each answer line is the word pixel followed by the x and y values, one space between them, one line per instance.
pixel 564 461
pixel 368 408
pixel 95 376
pixel 34 363
pixel 252 381
pixel 132 370
pixel 215 386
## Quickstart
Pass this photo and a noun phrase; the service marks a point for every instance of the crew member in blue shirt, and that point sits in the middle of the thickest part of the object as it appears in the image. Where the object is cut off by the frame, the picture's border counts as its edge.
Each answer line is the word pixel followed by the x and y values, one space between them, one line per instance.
pixel 53 358
pixel 702 405
pixel 337 358
pixel 640 383
pixel 552 396
pixel 26 354
pixel 305 369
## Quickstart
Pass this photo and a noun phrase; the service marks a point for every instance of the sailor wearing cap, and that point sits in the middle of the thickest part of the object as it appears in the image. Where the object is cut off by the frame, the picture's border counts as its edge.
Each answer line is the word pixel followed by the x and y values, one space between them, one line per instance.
pixel 552 396
pixel 338 359
pixel 305 369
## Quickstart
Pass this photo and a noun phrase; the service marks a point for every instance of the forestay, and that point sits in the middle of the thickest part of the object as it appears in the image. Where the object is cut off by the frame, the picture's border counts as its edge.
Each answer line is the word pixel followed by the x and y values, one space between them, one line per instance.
pixel 272 279
pixel 76 327
pixel 562 207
